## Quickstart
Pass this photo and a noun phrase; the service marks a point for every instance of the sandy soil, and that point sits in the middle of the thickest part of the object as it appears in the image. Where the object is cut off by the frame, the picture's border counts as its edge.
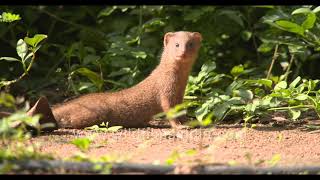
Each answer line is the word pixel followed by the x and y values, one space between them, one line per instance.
pixel 263 145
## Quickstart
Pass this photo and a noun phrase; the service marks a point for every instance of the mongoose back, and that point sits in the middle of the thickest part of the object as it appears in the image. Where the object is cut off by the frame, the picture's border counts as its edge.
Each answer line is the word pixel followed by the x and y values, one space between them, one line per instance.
pixel 134 107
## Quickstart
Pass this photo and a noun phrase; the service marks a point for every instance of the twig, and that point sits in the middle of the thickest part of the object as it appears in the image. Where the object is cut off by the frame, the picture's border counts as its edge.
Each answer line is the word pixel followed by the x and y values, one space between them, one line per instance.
pixel 7 83
pixel 289 67
pixel 291 107
pixel 275 55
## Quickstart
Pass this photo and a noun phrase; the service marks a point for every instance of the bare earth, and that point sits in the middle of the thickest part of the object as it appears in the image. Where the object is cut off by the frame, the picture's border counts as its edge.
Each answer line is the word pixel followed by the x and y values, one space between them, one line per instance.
pixel 261 146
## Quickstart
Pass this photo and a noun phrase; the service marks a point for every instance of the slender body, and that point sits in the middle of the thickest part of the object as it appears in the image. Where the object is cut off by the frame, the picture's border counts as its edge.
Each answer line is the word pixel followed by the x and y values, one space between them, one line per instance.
pixel 134 107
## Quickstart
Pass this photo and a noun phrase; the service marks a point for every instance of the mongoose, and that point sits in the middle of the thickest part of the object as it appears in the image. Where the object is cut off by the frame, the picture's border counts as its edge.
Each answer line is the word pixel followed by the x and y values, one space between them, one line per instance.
pixel 135 107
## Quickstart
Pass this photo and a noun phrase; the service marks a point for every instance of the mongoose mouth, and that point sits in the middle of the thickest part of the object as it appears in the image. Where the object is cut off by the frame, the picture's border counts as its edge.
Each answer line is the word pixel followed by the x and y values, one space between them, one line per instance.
pixel 180 57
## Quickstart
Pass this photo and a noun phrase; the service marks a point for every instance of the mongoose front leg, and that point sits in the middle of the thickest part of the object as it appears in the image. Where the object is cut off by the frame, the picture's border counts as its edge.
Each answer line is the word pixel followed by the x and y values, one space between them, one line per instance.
pixel 166 104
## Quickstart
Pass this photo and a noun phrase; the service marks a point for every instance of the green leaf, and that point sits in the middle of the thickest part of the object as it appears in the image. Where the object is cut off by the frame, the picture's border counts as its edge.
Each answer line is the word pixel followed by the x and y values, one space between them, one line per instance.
pixel 9 17
pixel 90 59
pixel 22 49
pixel 139 54
pixel 201 112
pixel 221 110
pixel 290 27
pixel 82 143
pixel 92 76
pixel 153 24
pixel 237 70
pixel 114 128
pixel 316 10
pixel 266 82
pixel 280 85
pixel 301 97
pixel 296 49
pixel 309 22
pixel 265 47
pixel 244 93
pixel 301 11
pixel 294 83
pixel 7 100
pixel 107 11
pixel 9 59
pixel 246 35
pixel 294 114
pixel 35 40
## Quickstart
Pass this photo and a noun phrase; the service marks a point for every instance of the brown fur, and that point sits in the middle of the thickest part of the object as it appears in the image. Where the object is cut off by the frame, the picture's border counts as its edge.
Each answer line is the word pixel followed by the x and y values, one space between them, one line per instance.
pixel 134 107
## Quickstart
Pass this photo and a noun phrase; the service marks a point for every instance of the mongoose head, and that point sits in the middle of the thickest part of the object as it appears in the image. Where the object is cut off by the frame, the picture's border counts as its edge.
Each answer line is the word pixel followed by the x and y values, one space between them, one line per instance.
pixel 182 46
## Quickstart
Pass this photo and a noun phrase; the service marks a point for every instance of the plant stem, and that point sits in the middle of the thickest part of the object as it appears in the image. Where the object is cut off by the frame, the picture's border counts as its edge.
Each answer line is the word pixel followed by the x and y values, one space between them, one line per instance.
pixel 289 67
pixel 275 55
pixel 291 107
pixel 7 83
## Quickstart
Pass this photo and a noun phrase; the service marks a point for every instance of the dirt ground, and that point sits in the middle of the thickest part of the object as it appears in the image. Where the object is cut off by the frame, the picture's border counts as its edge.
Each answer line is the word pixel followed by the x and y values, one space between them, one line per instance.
pixel 263 145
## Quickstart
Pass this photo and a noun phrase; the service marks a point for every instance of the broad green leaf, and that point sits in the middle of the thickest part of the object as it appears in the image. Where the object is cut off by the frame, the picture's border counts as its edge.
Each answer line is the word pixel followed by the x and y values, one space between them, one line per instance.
pixel 246 35
pixel 22 49
pixel 152 24
pixel 114 128
pixel 139 54
pixel 265 47
pixel 221 110
pixel 82 143
pixel 296 49
pixel 9 17
pixel 301 10
pixel 237 70
pixel 9 59
pixel 201 112
pixel 280 85
pixel 94 127
pixel 309 22
pixel 35 40
pixel 244 93
pixel 294 83
pixel 7 100
pixel 295 114
pixel 92 76
pixel 107 11
pixel 290 27
pixel 266 82
pixel 316 10
pixel 301 97
pixel 90 59
pixel 121 72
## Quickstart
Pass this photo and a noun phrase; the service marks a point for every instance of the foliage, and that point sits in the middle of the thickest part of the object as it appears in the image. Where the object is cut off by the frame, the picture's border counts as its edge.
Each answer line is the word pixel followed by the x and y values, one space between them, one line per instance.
pixel 114 47
pixel 26 50
pixel 103 127
pixel 9 17
pixel 82 143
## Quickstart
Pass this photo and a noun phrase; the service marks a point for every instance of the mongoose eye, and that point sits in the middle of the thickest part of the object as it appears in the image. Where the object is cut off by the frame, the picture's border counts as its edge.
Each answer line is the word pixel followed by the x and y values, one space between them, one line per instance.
pixel 177 44
pixel 190 45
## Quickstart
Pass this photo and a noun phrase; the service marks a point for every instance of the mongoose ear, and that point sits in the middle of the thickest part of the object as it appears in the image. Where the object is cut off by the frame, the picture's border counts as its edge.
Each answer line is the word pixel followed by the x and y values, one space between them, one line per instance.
pixel 167 36
pixel 198 36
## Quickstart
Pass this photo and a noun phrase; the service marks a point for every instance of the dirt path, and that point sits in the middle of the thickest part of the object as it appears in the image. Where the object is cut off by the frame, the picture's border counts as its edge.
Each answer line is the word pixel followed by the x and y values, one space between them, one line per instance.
pixel 261 146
